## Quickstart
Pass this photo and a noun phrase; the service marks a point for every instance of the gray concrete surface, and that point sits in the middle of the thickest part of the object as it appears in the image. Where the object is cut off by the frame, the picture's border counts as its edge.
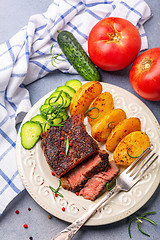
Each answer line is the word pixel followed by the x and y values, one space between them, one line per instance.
pixel 14 14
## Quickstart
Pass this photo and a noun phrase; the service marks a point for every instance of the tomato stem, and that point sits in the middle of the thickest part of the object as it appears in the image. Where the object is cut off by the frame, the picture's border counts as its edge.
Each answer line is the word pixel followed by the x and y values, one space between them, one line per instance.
pixel 115 36
pixel 146 64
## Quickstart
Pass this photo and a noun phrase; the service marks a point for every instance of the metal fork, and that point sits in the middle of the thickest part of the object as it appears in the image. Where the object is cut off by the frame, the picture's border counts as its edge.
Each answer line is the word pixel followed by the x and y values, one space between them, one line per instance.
pixel 124 182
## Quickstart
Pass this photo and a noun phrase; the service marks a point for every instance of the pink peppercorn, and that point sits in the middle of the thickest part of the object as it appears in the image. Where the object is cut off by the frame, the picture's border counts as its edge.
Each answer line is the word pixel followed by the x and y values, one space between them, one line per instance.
pixel 63 209
pixel 17 212
pixel 77 193
pixel 25 226
pixel 52 173
pixel 56 195
pixel 62 138
pixel 70 144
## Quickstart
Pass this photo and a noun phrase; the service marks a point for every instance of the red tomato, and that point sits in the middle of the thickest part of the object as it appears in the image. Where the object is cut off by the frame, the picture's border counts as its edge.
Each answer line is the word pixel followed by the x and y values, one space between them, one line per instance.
pixel 113 43
pixel 145 74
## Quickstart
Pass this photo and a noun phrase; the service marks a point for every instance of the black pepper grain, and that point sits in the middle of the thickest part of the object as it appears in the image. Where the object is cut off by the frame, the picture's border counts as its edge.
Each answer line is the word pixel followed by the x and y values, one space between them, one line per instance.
pixel 49 216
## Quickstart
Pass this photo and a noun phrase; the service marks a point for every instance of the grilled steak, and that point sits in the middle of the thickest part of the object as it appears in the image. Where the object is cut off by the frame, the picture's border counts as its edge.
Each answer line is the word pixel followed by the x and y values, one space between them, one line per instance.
pixel 75 179
pixel 95 186
pixel 51 144
pixel 83 145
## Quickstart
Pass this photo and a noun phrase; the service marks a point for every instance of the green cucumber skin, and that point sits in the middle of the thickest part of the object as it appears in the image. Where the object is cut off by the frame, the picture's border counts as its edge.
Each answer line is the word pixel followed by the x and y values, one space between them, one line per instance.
pixel 77 56
pixel 30 142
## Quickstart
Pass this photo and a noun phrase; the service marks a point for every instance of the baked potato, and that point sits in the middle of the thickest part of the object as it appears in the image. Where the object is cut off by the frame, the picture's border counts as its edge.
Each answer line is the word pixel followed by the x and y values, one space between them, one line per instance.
pixel 101 129
pixel 103 104
pixel 131 147
pixel 84 96
pixel 122 129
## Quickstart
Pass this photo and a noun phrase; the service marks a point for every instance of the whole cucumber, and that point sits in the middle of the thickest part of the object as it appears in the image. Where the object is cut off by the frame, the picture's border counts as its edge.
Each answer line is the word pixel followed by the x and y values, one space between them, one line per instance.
pixel 77 57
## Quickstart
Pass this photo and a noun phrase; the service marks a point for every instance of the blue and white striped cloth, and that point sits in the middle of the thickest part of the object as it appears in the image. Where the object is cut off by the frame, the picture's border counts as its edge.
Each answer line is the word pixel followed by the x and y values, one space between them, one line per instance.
pixel 26 57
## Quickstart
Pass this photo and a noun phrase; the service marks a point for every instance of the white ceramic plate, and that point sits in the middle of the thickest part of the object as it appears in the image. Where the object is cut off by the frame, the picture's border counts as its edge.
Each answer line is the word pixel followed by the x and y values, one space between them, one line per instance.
pixel 36 174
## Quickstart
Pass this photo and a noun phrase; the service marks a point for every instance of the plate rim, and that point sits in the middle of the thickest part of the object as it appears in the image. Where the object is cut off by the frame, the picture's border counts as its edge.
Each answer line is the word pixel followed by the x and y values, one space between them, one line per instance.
pixel 63 216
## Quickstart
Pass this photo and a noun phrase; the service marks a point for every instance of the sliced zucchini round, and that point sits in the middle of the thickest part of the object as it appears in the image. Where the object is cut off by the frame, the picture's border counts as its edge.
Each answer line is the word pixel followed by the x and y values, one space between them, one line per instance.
pixel 70 91
pixel 48 114
pixel 30 133
pixel 41 120
pixel 59 98
pixel 63 114
pixel 57 121
pixel 74 83
pixel 44 110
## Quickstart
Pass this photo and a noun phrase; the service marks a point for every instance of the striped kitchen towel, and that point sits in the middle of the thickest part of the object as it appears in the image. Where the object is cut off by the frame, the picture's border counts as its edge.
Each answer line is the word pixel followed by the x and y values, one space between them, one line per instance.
pixel 26 57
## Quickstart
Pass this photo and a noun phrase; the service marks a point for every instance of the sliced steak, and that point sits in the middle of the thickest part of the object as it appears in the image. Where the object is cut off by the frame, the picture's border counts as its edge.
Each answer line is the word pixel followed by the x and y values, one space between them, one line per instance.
pixel 75 179
pixel 83 145
pixel 95 186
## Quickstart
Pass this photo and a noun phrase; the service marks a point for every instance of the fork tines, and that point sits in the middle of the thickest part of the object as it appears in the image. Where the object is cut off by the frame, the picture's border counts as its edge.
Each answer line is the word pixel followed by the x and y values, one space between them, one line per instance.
pixel 141 163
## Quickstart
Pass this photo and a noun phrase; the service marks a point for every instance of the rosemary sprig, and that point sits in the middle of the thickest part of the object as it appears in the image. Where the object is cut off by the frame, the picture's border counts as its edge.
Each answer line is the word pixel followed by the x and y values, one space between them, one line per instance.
pixel 67 146
pixel 57 189
pixel 109 125
pixel 141 229
pixel 130 155
pixel 89 109
pixel 139 220
pixel 111 185
pixel 55 57
pixel 55 110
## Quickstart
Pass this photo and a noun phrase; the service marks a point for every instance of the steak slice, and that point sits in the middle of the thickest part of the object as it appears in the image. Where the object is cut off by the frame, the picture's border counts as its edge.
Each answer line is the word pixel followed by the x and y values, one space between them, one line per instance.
pixel 95 186
pixel 83 145
pixel 51 146
pixel 75 179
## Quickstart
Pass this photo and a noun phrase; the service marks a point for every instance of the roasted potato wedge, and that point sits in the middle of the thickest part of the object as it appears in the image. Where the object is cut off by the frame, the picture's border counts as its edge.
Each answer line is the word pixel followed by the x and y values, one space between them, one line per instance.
pixel 130 147
pixel 101 129
pixel 122 129
pixel 104 104
pixel 84 96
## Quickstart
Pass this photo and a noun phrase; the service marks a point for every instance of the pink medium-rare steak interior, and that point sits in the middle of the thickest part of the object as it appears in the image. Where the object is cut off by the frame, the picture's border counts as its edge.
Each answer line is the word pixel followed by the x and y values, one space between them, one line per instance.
pixel 95 186
pixel 75 179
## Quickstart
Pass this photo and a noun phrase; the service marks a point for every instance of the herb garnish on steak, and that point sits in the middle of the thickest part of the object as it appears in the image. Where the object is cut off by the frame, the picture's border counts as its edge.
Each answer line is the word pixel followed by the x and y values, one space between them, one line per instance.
pixel 54 149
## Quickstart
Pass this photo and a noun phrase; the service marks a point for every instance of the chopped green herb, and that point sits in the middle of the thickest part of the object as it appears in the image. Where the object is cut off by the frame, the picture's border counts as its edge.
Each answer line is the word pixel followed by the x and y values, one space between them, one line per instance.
pixel 130 155
pixel 89 109
pixel 54 56
pixel 110 126
pixel 67 146
pixel 55 112
pixel 111 185
pixel 57 189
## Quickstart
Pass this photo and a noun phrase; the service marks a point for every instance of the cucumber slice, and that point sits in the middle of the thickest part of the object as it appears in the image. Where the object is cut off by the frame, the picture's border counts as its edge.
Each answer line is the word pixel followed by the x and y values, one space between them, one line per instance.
pixel 30 133
pixel 62 99
pixel 41 120
pixel 63 114
pixel 74 83
pixel 57 121
pixel 44 110
pixel 70 91
pixel 46 113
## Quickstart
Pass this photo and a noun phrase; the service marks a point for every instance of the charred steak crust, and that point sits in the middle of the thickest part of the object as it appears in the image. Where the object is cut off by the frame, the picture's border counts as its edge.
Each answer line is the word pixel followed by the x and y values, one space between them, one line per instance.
pixel 75 179
pixel 49 139
pixel 83 145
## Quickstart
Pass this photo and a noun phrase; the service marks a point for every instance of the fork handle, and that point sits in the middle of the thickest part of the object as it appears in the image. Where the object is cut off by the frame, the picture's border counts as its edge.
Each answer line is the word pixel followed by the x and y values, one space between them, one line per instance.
pixel 71 230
